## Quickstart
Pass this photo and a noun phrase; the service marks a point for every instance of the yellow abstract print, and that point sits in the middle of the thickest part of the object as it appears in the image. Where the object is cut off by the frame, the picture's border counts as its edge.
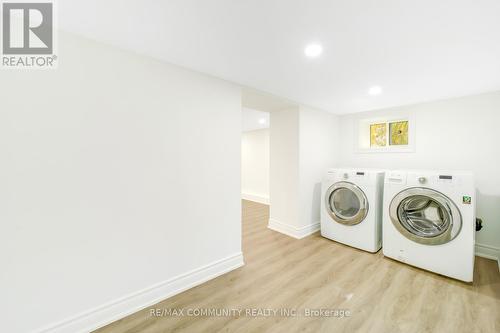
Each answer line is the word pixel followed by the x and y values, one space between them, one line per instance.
pixel 378 135
pixel 398 133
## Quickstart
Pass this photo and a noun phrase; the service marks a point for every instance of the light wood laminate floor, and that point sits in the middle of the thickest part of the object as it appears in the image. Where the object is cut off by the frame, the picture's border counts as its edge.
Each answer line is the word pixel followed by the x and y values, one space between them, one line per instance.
pixel 382 295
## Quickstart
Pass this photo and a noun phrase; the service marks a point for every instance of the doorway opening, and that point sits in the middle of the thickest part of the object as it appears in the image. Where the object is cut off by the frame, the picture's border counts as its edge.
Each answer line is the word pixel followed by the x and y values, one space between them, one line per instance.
pixel 255 156
pixel 259 183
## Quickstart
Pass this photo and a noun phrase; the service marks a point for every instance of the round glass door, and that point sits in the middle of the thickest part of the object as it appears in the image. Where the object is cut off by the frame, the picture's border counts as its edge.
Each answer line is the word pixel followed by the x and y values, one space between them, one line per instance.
pixel 425 216
pixel 346 203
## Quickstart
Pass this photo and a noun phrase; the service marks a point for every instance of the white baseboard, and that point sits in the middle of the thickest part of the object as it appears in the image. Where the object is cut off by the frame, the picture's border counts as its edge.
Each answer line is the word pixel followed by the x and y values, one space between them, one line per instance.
pixel 489 252
pixel 256 198
pixel 293 231
pixel 120 308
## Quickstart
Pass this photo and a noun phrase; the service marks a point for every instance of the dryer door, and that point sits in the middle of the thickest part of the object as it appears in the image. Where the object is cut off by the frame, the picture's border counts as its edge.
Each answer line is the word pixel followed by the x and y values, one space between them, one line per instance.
pixel 346 203
pixel 425 216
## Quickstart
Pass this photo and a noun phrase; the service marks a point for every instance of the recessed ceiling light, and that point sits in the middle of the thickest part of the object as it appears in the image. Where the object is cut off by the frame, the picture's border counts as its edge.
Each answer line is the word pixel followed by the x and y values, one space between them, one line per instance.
pixel 313 50
pixel 262 121
pixel 375 90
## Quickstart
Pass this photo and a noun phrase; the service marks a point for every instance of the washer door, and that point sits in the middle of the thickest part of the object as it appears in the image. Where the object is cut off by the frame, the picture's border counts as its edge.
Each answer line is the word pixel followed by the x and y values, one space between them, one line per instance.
pixel 425 216
pixel 346 203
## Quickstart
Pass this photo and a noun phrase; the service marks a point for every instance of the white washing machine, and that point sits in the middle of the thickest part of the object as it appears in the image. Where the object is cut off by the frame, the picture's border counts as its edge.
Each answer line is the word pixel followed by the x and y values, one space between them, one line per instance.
pixel 351 207
pixel 429 221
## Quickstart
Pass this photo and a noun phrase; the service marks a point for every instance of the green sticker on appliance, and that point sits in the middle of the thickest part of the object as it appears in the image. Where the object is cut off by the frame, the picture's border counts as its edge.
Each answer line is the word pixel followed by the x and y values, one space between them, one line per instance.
pixel 466 199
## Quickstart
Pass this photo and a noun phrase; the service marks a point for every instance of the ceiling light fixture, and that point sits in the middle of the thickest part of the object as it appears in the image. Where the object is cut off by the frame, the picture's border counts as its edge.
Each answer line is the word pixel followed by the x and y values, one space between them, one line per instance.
pixel 313 50
pixel 375 90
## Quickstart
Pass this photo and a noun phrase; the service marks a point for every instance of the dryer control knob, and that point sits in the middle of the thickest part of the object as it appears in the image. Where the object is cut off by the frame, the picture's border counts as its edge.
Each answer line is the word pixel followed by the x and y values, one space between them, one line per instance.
pixel 422 180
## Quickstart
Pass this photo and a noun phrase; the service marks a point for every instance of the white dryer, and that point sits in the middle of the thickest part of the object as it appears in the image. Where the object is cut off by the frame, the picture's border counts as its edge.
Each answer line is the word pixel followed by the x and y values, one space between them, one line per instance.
pixel 351 207
pixel 429 221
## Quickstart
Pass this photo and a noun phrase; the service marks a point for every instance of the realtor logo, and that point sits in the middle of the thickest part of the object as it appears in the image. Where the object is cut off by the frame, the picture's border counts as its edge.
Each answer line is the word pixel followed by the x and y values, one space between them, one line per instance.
pixel 28 35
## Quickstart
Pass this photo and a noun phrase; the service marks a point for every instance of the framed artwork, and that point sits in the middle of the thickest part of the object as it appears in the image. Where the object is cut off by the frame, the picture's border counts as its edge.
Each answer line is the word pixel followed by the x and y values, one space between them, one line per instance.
pixel 378 135
pixel 398 133
pixel 386 134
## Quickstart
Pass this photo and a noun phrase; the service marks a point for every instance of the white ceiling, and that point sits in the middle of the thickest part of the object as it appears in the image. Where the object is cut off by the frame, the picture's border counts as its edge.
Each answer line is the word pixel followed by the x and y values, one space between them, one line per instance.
pixel 254 120
pixel 415 50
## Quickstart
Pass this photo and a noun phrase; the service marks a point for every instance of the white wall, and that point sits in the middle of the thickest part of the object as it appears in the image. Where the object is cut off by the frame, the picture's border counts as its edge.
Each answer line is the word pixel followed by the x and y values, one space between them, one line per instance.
pixel 118 173
pixel 255 165
pixel 319 148
pixel 284 169
pixel 304 144
pixel 453 134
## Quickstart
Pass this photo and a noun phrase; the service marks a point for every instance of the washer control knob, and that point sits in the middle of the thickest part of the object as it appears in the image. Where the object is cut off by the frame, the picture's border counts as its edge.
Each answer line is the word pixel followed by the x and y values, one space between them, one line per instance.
pixel 346 175
pixel 422 180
